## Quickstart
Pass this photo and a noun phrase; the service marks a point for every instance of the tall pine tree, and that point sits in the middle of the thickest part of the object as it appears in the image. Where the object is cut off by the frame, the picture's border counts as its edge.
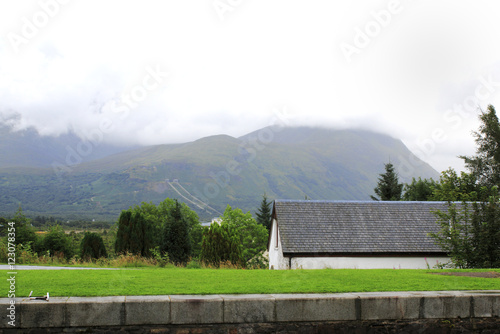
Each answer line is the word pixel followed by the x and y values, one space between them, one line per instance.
pixel 176 239
pixel 122 242
pixel 388 187
pixel 134 234
pixel 264 213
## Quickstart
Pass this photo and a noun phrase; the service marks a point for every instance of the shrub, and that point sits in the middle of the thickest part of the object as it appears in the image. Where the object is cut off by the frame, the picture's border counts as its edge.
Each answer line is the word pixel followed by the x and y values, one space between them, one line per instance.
pixel 161 259
pixel 92 246
pixel 58 243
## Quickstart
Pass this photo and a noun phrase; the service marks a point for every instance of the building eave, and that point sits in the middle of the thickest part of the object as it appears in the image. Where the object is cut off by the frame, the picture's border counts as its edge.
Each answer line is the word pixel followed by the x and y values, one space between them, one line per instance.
pixel 367 254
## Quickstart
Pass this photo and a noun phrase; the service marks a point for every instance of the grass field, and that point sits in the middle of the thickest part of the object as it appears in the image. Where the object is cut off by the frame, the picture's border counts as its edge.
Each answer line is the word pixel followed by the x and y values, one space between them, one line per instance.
pixel 163 281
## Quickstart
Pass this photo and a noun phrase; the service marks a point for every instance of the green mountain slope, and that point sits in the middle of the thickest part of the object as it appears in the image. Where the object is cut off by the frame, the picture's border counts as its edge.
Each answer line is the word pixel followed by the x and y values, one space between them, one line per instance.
pixel 212 172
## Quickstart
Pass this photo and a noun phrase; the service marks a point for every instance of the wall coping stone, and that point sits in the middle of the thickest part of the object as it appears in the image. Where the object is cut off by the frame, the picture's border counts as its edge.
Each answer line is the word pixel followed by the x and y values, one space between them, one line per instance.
pixel 247 309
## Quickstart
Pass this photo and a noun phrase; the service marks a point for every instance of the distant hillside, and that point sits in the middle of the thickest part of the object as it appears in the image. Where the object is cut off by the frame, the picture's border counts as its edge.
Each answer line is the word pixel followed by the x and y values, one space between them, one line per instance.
pixel 29 149
pixel 212 172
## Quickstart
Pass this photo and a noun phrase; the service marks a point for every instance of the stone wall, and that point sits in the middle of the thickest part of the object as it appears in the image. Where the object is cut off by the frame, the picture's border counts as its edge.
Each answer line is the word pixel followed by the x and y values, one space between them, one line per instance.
pixel 473 311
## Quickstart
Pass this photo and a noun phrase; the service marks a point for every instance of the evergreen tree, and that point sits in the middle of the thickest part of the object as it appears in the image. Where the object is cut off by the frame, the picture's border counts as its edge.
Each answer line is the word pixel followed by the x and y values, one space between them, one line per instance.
pixel 264 213
pixel 221 244
pixel 92 246
pixel 134 234
pixel 144 227
pixel 176 240
pixel 194 225
pixel 485 165
pixel 388 187
pixel 122 242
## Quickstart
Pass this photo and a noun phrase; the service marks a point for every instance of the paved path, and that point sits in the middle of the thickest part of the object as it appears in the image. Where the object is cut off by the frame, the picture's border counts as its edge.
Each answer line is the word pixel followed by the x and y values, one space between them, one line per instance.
pixel 24 267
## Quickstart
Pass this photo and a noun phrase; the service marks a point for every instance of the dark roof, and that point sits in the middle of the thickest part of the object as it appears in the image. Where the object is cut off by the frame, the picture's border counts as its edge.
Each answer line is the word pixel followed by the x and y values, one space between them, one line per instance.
pixel 327 227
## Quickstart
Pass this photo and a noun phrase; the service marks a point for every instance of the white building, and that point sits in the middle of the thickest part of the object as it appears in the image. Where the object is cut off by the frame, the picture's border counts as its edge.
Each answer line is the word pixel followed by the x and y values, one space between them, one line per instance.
pixel 362 235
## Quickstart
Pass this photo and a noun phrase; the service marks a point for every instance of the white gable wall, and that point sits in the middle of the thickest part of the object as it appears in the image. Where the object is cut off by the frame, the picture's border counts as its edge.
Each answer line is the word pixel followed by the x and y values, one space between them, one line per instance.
pixel 276 259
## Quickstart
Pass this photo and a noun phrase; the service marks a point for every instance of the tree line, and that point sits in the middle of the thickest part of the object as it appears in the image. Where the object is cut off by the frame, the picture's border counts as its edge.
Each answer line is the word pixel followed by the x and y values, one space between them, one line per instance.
pixel 470 228
pixel 169 232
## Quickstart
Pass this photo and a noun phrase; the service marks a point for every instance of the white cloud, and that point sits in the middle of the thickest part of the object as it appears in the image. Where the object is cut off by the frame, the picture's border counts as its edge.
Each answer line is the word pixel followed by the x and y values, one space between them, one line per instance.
pixel 226 76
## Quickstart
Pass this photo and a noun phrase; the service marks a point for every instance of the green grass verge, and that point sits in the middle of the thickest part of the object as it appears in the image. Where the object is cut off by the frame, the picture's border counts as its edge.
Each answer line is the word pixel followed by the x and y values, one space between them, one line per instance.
pixel 161 281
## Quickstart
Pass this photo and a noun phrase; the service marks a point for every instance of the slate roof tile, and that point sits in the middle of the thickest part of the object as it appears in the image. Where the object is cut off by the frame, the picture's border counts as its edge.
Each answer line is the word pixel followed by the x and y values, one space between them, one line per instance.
pixel 351 227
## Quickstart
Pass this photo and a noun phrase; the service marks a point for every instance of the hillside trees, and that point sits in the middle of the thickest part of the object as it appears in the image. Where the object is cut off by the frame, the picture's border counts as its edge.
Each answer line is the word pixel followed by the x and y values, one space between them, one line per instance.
pixel 388 187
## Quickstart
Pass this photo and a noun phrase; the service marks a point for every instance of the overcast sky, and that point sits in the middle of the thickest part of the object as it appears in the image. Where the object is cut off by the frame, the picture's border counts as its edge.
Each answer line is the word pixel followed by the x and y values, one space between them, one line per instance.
pixel 153 72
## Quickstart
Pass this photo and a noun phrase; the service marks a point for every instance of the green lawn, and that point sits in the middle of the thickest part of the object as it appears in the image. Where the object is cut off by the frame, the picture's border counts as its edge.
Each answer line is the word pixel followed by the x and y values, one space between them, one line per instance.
pixel 163 281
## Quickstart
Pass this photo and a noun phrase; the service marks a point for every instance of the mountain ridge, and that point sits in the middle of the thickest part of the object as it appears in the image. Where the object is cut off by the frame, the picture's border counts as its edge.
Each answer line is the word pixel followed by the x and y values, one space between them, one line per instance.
pixel 212 172
pixel 27 148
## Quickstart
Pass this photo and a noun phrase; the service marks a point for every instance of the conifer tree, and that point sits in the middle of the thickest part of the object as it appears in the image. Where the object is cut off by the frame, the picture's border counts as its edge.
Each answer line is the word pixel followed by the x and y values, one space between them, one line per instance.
pixel 92 246
pixel 134 234
pixel 388 187
pixel 264 213
pixel 176 239
pixel 221 244
pixel 122 242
